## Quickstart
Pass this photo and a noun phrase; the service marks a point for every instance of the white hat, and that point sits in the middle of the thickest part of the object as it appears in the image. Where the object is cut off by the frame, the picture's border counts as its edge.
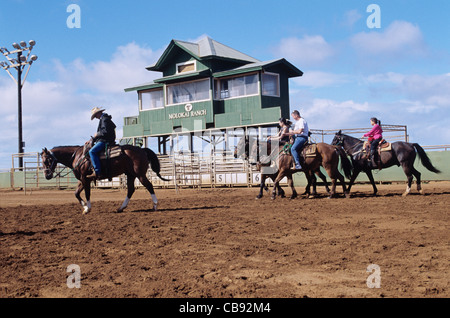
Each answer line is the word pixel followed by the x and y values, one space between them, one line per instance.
pixel 96 110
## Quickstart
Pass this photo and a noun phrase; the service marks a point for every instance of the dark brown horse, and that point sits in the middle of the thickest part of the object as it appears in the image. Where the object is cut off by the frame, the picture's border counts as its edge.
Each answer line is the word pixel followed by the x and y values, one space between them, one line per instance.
pixel 326 156
pixel 133 162
pixel 402 154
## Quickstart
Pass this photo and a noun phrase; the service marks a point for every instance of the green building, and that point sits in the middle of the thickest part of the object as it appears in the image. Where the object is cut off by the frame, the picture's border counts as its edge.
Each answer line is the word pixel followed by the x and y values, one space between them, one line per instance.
pixel 211 91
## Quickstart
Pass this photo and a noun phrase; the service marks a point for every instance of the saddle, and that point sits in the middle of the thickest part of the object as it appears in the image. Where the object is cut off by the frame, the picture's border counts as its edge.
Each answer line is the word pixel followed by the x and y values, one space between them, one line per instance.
pixel 111 152
pixel 382 146
pixel 309 151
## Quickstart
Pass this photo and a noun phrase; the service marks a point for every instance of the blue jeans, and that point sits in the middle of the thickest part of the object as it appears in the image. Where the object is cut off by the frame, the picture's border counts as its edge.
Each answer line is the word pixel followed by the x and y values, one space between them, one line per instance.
pixel 93 153
pixel 299 142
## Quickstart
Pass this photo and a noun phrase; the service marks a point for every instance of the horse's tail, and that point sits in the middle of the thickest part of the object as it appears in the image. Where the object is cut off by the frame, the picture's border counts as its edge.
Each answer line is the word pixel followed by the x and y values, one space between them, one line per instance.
pixel 346 164
pixel 154 162
pixel 425 160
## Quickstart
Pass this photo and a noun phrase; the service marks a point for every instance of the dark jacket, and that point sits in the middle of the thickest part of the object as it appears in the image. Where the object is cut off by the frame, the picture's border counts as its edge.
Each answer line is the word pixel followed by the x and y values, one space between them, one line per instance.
pixel 106 130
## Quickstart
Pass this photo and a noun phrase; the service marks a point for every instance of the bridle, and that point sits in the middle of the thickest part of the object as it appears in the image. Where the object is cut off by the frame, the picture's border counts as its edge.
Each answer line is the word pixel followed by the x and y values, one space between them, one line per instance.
pixel 340 142
pixel 54 163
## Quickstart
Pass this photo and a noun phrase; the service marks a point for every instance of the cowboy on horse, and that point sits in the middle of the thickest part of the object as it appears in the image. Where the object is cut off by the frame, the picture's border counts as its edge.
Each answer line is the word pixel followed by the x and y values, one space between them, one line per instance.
pixel 106 135
pixel 301 133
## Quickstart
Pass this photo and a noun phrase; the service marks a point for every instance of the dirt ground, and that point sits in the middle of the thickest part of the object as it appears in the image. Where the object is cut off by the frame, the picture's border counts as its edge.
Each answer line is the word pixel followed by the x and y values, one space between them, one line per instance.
pixel 223 243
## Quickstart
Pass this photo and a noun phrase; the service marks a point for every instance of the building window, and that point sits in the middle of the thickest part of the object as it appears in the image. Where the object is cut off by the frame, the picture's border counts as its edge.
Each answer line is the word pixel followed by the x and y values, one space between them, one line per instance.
pixel 185 67
pixel 271 84
pixel 151 99
pixel 188 92
pixel 236 87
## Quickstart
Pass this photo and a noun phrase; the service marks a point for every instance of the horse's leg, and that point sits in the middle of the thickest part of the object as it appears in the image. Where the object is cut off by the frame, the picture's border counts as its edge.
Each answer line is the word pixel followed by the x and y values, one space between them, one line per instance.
pixel 80 188
pixel 355 174
pixel 344 188
pixel 332 176
pixel 324 179
pixel 276 183
pixel 372 181
pixel 281 192
pixel 311 180
pixel 308 185
pixel 291 184
pixel 87 192
pixel 417 175
pixel 262 187
pixel 149 186
pixel 130 188
pixel 408 171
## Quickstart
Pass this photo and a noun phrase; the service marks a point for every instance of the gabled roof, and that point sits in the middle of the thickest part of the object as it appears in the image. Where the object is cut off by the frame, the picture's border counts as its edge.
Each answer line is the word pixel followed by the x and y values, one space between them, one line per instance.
pixel 291 70
pixel 203 49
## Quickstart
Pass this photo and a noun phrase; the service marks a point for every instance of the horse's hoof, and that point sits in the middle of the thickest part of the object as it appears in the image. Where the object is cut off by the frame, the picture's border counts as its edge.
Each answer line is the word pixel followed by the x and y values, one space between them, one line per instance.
pixel 405 194
pixel 258 197
pixel 421 192
pixel 347 195
pixel 86 211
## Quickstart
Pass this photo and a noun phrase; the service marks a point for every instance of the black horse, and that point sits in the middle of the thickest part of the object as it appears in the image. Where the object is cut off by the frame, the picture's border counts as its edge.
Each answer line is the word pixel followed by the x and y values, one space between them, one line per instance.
pixel 402 154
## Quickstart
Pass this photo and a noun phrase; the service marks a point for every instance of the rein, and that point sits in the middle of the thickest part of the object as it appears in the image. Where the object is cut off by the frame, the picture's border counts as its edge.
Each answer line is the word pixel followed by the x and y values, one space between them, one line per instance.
pixel 55 162
pixel 352 148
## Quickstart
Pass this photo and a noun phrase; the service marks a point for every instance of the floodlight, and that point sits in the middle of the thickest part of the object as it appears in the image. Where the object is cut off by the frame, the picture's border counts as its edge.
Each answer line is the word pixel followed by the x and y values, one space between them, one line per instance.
pixel 32 42
pixel 16 46
pixel 23 44
pixel 33 57
pixel 23 58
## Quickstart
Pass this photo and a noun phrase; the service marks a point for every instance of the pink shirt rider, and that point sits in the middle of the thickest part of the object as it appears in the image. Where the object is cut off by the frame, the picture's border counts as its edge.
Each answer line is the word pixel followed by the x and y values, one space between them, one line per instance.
pixel 376 132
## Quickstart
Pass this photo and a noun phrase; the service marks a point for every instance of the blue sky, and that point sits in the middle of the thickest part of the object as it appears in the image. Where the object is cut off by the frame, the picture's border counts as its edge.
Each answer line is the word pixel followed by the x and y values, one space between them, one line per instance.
pixel 399 73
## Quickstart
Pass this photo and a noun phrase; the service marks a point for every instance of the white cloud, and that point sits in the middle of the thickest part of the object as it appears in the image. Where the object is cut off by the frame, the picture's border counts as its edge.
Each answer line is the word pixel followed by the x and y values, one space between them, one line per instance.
pixel 324 113
pixel 351 17
pixel 389 77
pixel 399 39
pixel 430 90
pixel 58 112
pixel 125 68
pixel 307 51
pixel 316 79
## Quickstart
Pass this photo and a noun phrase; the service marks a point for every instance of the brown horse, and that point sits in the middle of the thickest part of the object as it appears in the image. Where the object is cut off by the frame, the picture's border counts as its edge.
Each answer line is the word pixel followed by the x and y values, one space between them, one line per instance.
pixel 326 156
pixel 133 162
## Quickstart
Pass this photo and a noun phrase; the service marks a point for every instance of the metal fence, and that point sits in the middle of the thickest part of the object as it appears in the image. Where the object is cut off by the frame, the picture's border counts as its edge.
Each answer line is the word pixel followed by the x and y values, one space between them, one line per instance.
pixel 194 170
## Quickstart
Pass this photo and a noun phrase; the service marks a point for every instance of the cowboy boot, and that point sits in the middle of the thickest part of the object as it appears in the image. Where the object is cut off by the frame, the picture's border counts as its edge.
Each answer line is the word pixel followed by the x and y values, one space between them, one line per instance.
pixel 93 175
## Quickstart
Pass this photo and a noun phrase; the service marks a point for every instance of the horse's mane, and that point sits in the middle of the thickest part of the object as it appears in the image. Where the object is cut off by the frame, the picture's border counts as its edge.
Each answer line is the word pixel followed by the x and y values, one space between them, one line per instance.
pixel 71 146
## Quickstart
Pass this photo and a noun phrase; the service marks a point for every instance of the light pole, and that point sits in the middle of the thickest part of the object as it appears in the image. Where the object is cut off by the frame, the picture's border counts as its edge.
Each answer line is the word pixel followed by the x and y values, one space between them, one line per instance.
pixel 23 59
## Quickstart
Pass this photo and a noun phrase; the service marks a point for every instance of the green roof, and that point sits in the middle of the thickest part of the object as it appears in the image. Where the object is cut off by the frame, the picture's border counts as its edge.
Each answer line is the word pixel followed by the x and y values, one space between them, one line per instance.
pixel 141 87
pixel 291 70
pixel 205 48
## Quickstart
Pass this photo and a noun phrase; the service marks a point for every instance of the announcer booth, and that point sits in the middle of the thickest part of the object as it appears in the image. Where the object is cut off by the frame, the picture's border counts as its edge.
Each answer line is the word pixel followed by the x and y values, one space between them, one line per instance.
pixel 209 96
